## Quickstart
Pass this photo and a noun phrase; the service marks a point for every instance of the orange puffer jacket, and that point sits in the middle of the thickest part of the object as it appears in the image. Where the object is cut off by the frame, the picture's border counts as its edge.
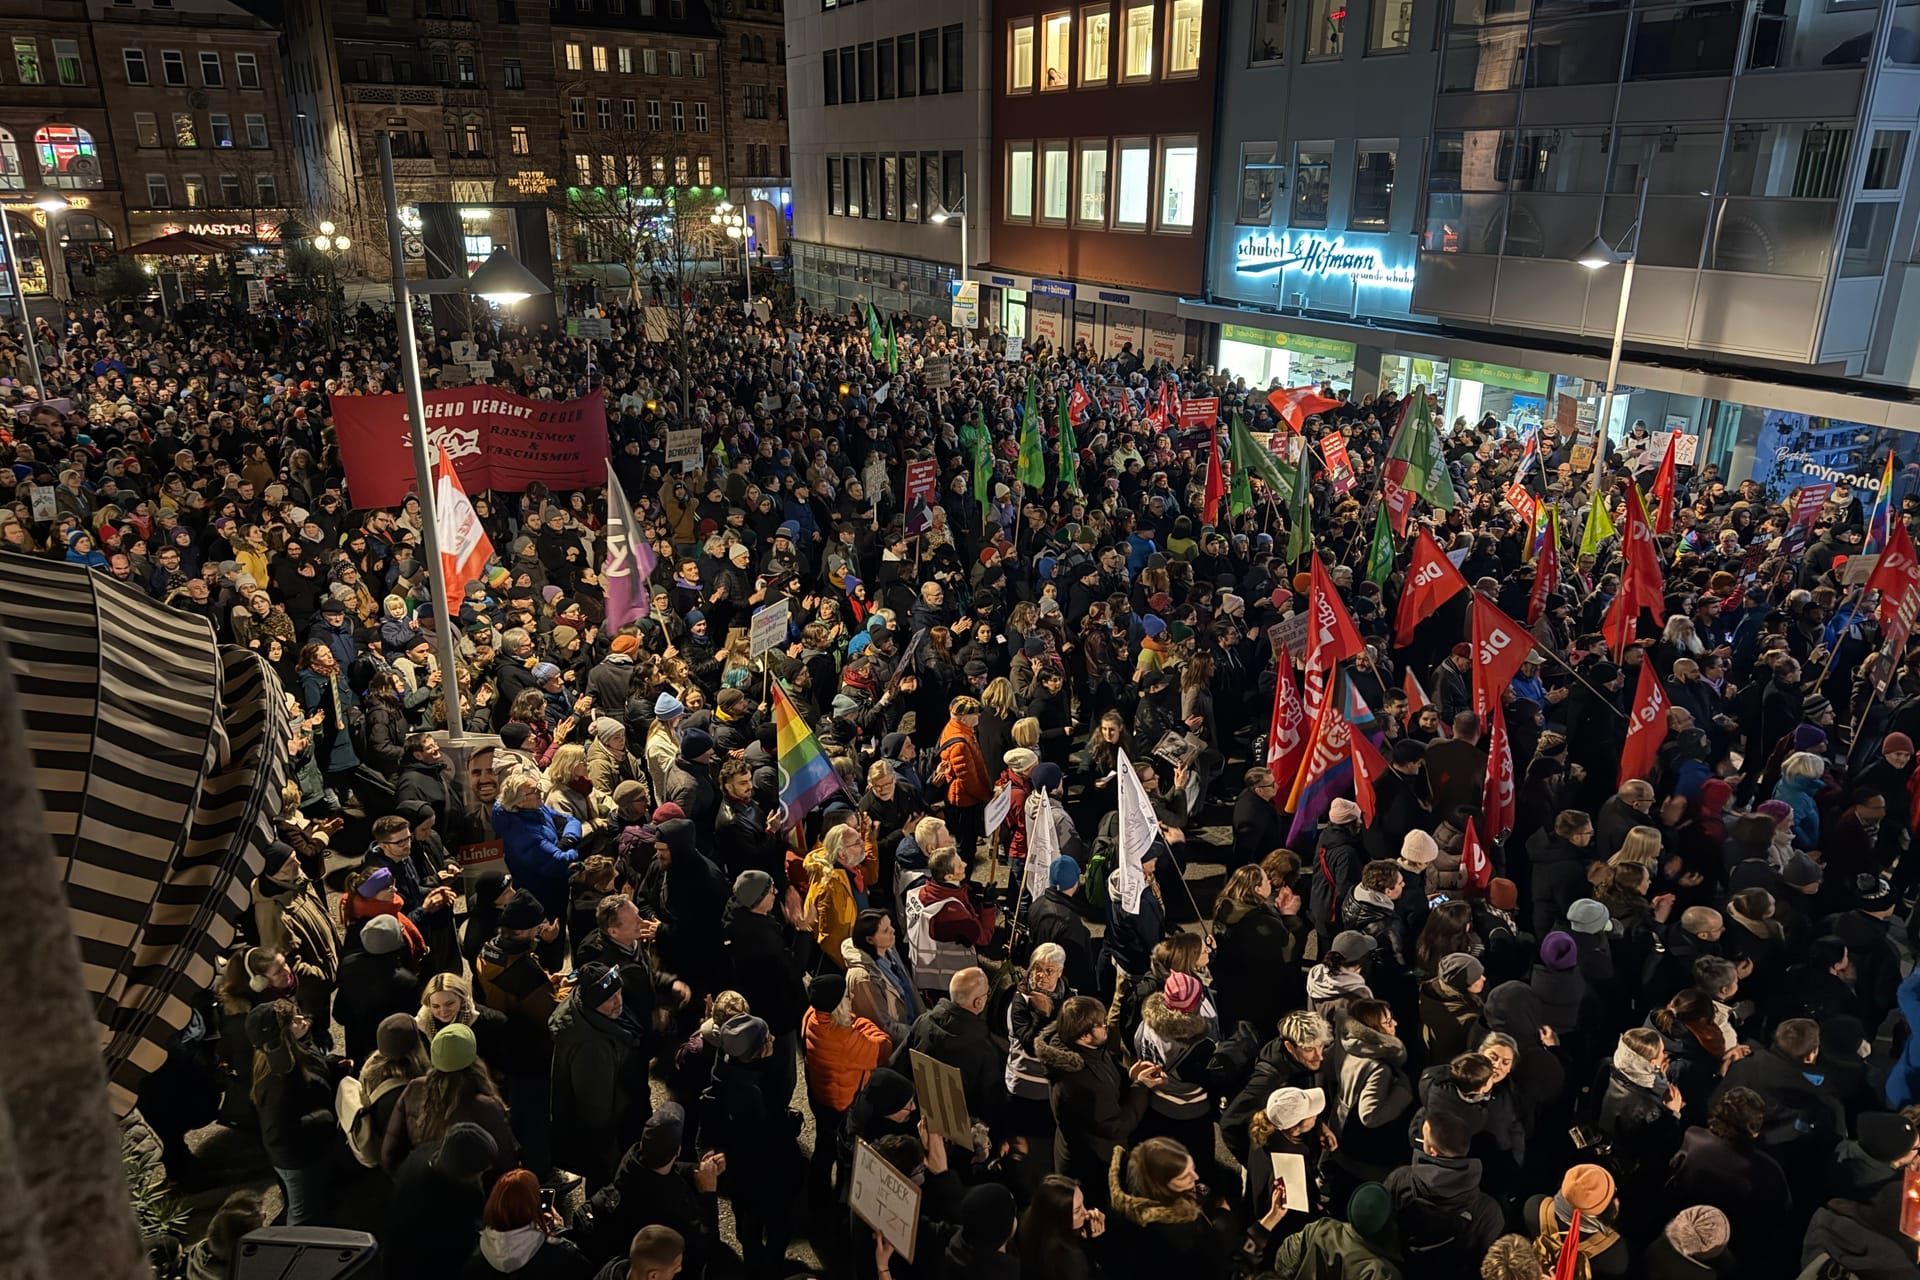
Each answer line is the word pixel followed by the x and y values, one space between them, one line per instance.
pixel 839 1059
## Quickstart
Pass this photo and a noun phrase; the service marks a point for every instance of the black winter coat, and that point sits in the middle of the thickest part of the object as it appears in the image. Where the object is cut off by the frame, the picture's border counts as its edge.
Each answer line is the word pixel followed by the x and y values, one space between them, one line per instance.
pixel 1052 917
pixel 763 969
pixel 960 1039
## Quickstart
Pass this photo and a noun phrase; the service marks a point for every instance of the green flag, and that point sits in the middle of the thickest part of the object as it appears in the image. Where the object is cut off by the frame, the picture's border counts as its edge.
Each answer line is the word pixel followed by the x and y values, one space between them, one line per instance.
pixel 876 339
pixel 1250 458
pixel 1380 554
pixel 893 348
pixel 1069 449
pixel 976 443
pixel 1300 517
pixel 1240 488
pixel 1031 466
pixel 1599 526
pixel 1417 463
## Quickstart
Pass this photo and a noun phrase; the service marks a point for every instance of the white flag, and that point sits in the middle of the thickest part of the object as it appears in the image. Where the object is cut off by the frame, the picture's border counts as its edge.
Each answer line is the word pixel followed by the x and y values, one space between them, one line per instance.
pixel 1138 830
pixel 1043 844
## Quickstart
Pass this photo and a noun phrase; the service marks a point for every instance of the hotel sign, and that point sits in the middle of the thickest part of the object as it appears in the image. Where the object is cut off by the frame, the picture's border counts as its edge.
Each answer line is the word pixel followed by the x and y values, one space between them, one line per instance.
pixel 1262 251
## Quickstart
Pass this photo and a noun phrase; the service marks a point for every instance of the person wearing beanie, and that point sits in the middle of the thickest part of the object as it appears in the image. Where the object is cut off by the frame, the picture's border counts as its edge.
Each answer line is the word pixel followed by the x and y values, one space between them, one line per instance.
pixel 654 1189
pixel 1418 853
pixel 510 976
pixel 600 1096
pixel 978 1249
pixel 607 759
pixel 1340 855
pixel 433 1213
pixel 1055 917
pixel 841 1050
pixel 1693 1247
pixel 744 1116
pixel 1885 1146
pixel 290 917
pixel 663 740
pixel 456 1089
pixel 762 966
pixel 690 784
pixel 375 980
pixel 1452 1016
pixel 292 1094
pixel 686 895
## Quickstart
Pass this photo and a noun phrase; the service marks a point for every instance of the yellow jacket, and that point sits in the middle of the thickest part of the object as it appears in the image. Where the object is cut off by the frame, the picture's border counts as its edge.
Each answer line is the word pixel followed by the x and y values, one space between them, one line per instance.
pixel 830 901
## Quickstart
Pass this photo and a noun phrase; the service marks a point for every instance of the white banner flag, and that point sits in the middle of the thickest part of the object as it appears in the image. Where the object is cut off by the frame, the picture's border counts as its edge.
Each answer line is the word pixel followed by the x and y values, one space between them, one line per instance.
pixel 1138 830
pixel 1043 844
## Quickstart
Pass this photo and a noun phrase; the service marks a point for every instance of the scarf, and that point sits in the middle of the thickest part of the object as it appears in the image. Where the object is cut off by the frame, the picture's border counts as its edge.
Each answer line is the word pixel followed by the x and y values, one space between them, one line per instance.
pixel 356 909
pixel 1637 1070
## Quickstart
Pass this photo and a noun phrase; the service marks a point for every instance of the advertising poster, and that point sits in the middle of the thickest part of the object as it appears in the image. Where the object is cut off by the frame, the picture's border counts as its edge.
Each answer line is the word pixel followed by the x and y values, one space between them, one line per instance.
pixel 1794 450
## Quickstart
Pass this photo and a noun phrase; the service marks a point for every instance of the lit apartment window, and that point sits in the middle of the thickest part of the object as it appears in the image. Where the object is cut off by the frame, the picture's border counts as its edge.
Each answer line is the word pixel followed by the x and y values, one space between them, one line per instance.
pixel 573 57
pixel 625 62
pixel 1327 28
pixel 599 57
pixel 1137 51
pixel 583 165
pixel 673 62
pixel 66 62
pixel 1056 50
pixel 1179 183
pixel 1133 181
pixel 699 65
pixel 1391 28
pixel 220 129
pixel 649 62
pixel 1055 181
pixel 184 133
pixel 1092 178
pixel 703 171
pixel 26 60
pixel 196 187
pixel 1096 26
pixel 1020 182
pixel 1020 58
pixel 1183 37
pixel 522 144
pixel 680 170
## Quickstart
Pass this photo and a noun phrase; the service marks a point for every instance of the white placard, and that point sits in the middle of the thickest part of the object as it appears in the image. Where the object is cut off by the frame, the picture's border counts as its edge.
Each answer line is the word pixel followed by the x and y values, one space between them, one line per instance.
pixel 479 370
pixel 593 327
pixel 683 447
pixel 885 1199
pixel 769 629
pixel 1685 448
pixel 44 508
pixel 998 808
pixel 465 352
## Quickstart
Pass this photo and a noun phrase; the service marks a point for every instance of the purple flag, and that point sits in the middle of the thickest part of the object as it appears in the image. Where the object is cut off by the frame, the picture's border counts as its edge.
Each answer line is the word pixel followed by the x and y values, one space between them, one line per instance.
pixel 630 560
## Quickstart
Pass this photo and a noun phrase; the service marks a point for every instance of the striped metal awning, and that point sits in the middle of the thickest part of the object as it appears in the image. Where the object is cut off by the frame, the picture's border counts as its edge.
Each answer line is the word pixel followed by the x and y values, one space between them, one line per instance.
pixel 159 757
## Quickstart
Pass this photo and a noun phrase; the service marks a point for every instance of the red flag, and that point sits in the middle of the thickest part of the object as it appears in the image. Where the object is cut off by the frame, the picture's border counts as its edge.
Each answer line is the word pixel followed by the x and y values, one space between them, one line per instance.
pixel 1296 404
pixel 1500 645
pixel 1567 1266
pixel 1216 482
pixel 1476 868
pixel 1399 504
pixel 1417 697
pixel 1497 801
pixel 1641 584
pixel 1369 766
pixel 1331 635
pixel 1663 489
pixel 1647 729
pixel 1897 578
pixel 464 547
pixel 1913 799
pixel 1078 402
pixel 1286 731
pixel 1432 580
pixel 1546 571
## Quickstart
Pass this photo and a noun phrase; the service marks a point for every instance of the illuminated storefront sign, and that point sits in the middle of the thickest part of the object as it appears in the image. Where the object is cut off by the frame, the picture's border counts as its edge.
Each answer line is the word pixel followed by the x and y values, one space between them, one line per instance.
pixel 1262 251
pixel 262 230
pixel 532 182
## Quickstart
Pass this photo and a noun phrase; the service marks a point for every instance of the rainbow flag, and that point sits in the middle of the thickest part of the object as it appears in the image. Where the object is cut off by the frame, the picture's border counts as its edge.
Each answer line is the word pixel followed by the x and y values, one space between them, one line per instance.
pixel 1882 512
pixel 806 776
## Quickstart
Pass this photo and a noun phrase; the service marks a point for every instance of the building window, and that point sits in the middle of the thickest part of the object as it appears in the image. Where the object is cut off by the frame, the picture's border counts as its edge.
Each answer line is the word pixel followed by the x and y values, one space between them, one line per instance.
pixel 1092 179
pixel 246 70
pixel 136 64
pixel 512 75
pixel 1312 181
pixel 1259 179
pixel 1327 28
pixel 1019 182
pixel 659 167
pixel 599 57
pixel 1137 49
pixel 1056 51
pixel 442 69
pixel 475 147
pixel 266 192
pixel 522 143
pixel 146 129
pixel 230 190
pixel 830 78
pixel 1869 233
pixel 909 186
pixel 883 68
pixel 577 112
pixel 929 62
pixel 699 117
pixel 573 57
pixel 184 133
pixel 257 131
pixel 625 62
pixel 196 189
pixel 836 190
pixel 653 114
pixel 210 73
pixel 953 59
pixel 1390 26
pixel 1020 57
pixel 26 60
pixel 909 64
pixel 1886 159
pixel 464 64
pixel 1179 182
pixel 1096 26
pixel 1372 186
pixel 853 186
pixel 629 114
pixel 66 62
pixel 1133 180
pixel 680 170
pixel 699 66
pixel 1183 38
pixel 890 188
pixel 603 113
pixel 1055 181
pixel 867 86
pixel 583 165
pixel 679 117
pixel 930 181
pixel 703 171
pixel 508 12
pixel 649 62
pixel 173 67
pixel 673 62
pixel 220 129
pixel 159 195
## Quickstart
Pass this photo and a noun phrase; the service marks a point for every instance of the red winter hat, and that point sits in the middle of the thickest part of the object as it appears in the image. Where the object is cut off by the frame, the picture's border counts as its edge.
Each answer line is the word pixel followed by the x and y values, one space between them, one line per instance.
pixel 1182 992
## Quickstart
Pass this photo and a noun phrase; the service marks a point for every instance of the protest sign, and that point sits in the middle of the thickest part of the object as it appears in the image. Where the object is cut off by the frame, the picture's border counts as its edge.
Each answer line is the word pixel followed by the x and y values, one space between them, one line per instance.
pixel 496 440
pixel 769 629
pixel 942 1097
pixel 683 448
pixel 885 1199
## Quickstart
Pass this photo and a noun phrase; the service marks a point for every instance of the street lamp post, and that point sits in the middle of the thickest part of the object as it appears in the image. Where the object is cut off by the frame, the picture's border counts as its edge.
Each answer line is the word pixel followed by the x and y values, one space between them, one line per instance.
pixel 734 223
pixel 500 279
pixel 1595 257
pixel 12 257
pixel 959 211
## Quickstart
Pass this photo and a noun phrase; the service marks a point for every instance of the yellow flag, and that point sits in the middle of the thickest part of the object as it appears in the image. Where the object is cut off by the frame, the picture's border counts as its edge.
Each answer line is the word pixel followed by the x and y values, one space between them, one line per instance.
pixel 1599 525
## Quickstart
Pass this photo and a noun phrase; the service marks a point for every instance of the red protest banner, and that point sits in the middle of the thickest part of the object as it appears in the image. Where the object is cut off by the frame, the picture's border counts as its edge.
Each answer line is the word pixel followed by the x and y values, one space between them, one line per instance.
pixel 1808 501
pixel 496 440
pixel 922 474
pixel 1333 447
pixel 1519 501
pixel 1201 411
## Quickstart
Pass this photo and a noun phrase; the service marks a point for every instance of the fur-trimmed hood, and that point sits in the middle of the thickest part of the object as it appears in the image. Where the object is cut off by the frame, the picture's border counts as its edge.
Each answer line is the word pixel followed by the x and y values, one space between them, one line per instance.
pixel 1362 1041
pixel 1138 1209
pixel 1170 1024
pixel 1058 1058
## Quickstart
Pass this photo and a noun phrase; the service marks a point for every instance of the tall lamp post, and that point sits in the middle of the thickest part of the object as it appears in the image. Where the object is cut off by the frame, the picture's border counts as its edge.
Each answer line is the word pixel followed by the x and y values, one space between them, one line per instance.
pixel 734 222
pixel 940 216
pixel 500 279
pixel 1596 257
pixel 49 203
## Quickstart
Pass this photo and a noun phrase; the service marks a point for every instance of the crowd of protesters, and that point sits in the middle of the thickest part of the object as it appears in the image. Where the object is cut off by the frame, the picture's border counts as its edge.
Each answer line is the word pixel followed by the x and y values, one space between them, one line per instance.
pixel 583 950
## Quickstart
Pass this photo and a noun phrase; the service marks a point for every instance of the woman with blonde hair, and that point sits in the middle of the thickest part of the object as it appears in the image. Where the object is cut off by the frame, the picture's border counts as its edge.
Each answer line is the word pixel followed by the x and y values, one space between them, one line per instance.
pixel 998 710
pixel 448 999
pixel 841 872
pixel 1026 733
pixel 570 790
pixel 1802 775
pixel 1642 845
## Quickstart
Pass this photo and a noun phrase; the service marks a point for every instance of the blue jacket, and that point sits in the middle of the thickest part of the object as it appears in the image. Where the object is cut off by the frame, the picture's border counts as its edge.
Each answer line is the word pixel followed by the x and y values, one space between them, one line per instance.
pixel 1799 793
pixel 339 639
pixel 530 839
pixel 1903 1080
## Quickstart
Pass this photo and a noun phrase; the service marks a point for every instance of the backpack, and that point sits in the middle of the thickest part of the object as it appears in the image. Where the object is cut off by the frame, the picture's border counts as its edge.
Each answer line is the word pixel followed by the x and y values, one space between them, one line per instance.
pixel 941 774
pixel 1094 883
pixel 353 1108
pixel 1433 1240
pixel 922 950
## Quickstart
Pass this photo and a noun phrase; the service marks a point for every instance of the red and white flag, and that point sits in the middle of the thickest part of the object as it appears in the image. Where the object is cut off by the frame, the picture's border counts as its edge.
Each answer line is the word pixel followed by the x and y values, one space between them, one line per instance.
pixel 1497 802
pixel 1296 404
pixel 1286 731
pixel 1331 636
pixel 1432 580
pixel 1647 728
pixel 1078 403
pixel 464 547
pixel 1416 695
pixel 1897 578
pixel 1476 868
pixel 1369 766
pixel 1663 482
pixel 1500 645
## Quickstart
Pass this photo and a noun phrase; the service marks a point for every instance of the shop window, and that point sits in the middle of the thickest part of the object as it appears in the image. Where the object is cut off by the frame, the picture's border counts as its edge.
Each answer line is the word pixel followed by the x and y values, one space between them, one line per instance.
pixel 1326 29
pixel 1183 37
pixel 1269 36
pixel 1019 182
pixel 1179 183
pixel 1137 52
pixel 1133 182
pixel 1092 180
pixel 1312 184
pixel 1886 158
pixel 1096 28
pixel 1372 186
pixel 68 160
pixel 1056 50
pixel 1054 182
pixel 1390 27
pixel 1259 178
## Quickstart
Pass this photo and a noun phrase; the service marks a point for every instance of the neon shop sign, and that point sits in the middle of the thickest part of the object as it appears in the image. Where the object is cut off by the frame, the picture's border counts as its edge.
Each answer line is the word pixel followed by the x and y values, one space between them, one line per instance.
pixel 1262 251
